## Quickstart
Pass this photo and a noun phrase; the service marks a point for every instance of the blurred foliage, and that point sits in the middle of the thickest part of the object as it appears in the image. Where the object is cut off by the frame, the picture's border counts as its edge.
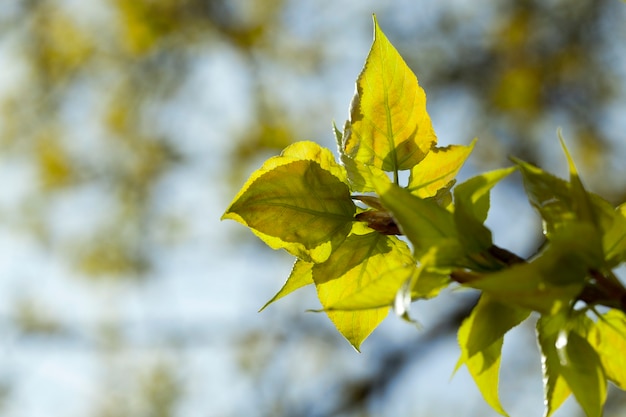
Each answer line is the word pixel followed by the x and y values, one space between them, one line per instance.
pixel 155 393
pixel 82 99
pixel 33 319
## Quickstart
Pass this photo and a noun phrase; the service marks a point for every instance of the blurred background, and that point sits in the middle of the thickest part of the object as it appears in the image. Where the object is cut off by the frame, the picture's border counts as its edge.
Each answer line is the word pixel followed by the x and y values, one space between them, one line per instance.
pixel 126 128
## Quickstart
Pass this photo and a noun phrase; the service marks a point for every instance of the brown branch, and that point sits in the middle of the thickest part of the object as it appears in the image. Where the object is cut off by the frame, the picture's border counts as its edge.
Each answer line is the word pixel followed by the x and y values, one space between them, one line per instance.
pixel 604 291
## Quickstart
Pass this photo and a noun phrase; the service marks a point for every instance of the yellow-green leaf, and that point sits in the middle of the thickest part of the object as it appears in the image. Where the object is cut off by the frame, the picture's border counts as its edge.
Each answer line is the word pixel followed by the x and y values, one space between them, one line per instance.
pixel 564 205
pixel 614 237
pixel 555 389
pixel 549 282
pixel 481 337
pixel 473 194
pixel 570 363
pixel 424 222
pixel 429 284
pixel 437 169
pixel 298 201
pixel 359 262
pixel 580 198
pixel 378 278
pixel 471 205
pixel 551 196
pixel 489 321
pixel 582 370
pixel 608 337
pixel 312 151
pixel 300 276
pixel 404 295
pixel 389 127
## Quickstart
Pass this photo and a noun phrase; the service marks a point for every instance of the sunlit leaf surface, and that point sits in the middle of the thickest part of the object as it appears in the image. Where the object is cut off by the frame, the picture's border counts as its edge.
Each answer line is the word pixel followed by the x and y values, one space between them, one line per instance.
pixel 555 389
pixel 300 276
pixel 350 280
pixel 481 337
pixel 424 222
pixel 471 205
pixel 582 370
pixel 546 284
pixel 437 169
pixel 389 127
pixel 296 203
pixel 608 337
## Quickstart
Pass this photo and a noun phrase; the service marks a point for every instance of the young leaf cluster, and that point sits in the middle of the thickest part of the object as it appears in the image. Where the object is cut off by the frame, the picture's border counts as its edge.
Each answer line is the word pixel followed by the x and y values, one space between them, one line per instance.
pixel 341 221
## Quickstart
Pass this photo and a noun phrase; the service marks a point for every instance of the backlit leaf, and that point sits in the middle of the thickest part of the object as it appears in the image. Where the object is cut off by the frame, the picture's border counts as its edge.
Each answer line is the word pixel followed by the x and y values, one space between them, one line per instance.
pixel 362 260
pixel 551 196
pixel 490 320
pixel 485 368
pixel 608 337
pixel 404 295
pixel 437 169
pixel 297 201
pixel 424 222
pixel 383 276
pixel 360 176
pixel 555 389
pixel 614 237
pixel 473 194
pixel 580 198
pixel 481 337
pixel 300 276
pixel 429 283
pixel 546 284
pixel 567 205
pixel 471 205
pixel 389 127
pixel 570 363
pixel 582 370
pixel 313 152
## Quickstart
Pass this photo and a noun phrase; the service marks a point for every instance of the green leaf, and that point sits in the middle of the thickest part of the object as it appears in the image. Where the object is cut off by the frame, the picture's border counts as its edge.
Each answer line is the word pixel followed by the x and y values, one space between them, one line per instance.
pixel 361 177
pixel 570 363
pixel 311 151
pixel 437 169
pixel 548 283
pixel 404 295
pixel 582 370
pixel 473 194
pixel 481 337
pixel 581 201
pixel 608 337
pixel 490 320
pixel 298 201
pixel 360 262
pixel 389 127
pixel 551 196
pixel 429 283
pixel 555 389
pixel 471 205
pixel 380 282
pixel 560 202
pixel 424 222
pixel 338 137
pixel 614 237
pixel 564 205
pixel 301 275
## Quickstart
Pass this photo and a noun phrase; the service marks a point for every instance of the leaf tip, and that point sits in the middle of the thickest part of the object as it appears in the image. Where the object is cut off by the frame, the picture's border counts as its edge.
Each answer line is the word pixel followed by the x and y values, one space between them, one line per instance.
pixel 570 160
